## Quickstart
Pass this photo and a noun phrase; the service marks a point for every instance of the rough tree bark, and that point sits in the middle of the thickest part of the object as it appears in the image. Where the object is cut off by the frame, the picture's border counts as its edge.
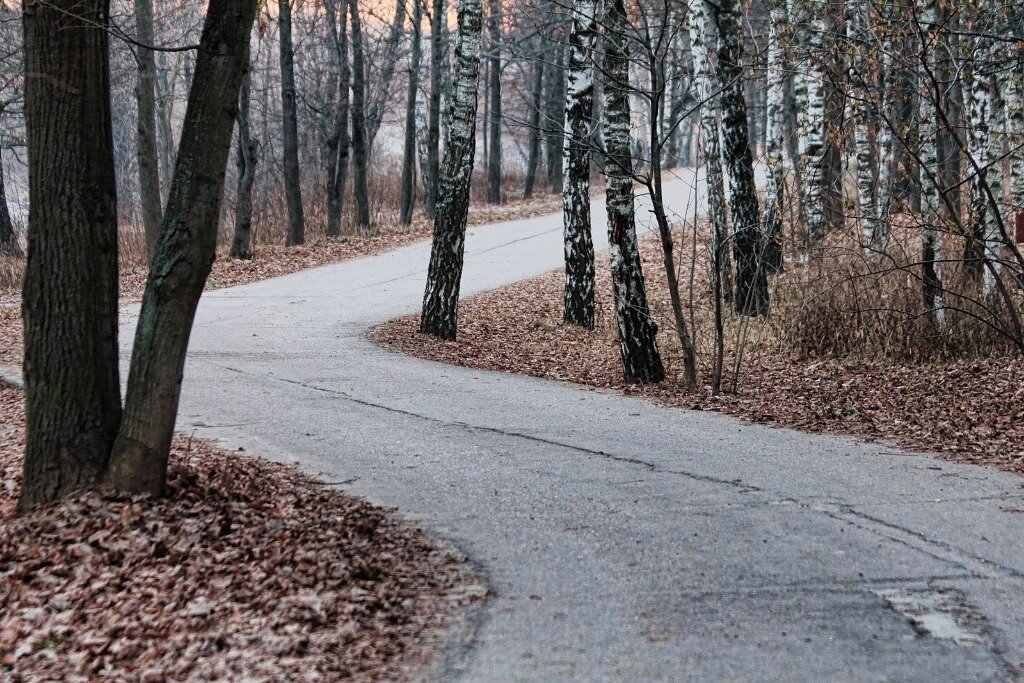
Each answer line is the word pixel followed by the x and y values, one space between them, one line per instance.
pixel 751 282
pixel 434 111
pixel 145 138
pixel 408 199
pixel 241 242
pixel 494 159
pixel 8 238
pixel 360 153
pixel 185 252
pixel 578 300
pixel 290 130
pixel 69 302
pixel 441 298
pixel 638 344
pixel 702 40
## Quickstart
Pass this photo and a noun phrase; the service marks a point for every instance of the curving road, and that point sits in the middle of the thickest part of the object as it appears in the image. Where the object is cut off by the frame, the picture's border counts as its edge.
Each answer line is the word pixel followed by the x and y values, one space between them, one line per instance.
pixel 621 540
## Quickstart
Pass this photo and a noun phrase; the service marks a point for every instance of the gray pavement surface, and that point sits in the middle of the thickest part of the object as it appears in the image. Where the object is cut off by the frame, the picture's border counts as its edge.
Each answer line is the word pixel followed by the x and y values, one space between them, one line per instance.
pixel 621 540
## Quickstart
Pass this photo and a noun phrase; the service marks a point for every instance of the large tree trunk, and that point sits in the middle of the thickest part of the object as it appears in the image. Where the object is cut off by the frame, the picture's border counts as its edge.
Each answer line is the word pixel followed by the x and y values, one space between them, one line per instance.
pixel 494 160
pixel 533 123
pixel 8 238
pixel 775 137
pixel 145 140
pixel 437 22
pixel 409 148
pixel 185 252
pixel 703 41
pixel 241 243
pixel 360 153
pixel 638 344
pixel 69 303
pixel 578 301
pixel 441 298
pixel 339 141
pixel 290 130
pixel 751 297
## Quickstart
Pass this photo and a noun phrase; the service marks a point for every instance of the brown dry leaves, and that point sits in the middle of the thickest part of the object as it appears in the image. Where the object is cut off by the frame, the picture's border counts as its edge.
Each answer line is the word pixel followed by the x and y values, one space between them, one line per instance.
pixel 245 570
pixel 971 410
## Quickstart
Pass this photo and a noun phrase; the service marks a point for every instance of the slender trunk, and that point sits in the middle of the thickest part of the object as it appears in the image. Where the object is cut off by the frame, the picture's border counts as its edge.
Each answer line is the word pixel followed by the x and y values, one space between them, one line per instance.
pixel 533 123
pixel 702 39
pixel 185 252
pixel 409 149
pixel 929 101
pixel 813 143
pixel 340 143
pixel 638 343
pixel 241 243
pixel 290 130
pixel 775 138
pixel 69 302
pixel 423 141
pixel 861 102
pixel 578 301
pixel 751 297
pixel 360 162
pixel 165 115
pixel 441 297
pixel 8 238
pixel 555 114
pixel 376 107
pixel 437 20
pixel 984 244
pixel 1015 124
pixel 494 160
pixel 145 139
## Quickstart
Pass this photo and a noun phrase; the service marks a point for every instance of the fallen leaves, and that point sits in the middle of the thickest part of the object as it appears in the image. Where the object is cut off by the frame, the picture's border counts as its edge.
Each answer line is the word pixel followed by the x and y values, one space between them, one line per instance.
pixel 245 570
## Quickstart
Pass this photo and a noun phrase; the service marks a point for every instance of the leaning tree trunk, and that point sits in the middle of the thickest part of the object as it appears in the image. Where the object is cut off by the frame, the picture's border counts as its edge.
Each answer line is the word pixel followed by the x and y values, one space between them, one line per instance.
pixel 702 40
pixel 494 159
pixel 145 139
pixel 441 298
pixel 339 142
pixel 241 243
pixel 775 138
pixel 69 303
pixel 437 22
pixel 8 238
pixel 751 297
pixel 185 252
pixel 578 301
pixel 290 130
pixel 409 147
pixel 360 153
pixel 533 124
pixel 638 332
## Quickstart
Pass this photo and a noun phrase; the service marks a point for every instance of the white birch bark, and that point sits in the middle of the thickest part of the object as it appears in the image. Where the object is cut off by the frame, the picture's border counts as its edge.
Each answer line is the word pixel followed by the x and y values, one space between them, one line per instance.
pixel 775 136
pixel 931 259
pixel 862 113
pixel 811 20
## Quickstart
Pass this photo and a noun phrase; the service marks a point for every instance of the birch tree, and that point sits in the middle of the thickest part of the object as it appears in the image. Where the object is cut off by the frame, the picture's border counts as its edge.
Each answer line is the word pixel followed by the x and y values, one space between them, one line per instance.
pixel 441 297
pixel 578 300
pixel 638 345
pixel 810 18
pixel 775 136
pixel 861 104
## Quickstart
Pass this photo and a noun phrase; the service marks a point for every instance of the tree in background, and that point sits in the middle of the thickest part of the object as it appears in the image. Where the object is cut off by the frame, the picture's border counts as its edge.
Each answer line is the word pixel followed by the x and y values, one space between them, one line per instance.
pixel 290 128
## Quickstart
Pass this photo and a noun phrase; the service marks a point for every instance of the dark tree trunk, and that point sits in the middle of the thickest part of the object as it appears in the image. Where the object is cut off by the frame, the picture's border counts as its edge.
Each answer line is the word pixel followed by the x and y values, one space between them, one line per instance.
pixel 360 191
pixel 751 296
pixel 441 298
pixel 533 123
pixel 638 344
pixel 555 114
pixel 409 151
pixel 185 252
pixel 290 130
pixel 69 303
pixel 434 111
pixel 494 160
pixel 145 140
pixel 578 300
pixel 241 243
pixel 375 109
pixel 8 239
pixel 339 142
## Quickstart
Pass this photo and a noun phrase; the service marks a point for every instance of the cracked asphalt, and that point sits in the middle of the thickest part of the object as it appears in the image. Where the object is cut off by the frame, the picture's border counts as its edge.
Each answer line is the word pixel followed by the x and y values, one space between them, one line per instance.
pixel 620 540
